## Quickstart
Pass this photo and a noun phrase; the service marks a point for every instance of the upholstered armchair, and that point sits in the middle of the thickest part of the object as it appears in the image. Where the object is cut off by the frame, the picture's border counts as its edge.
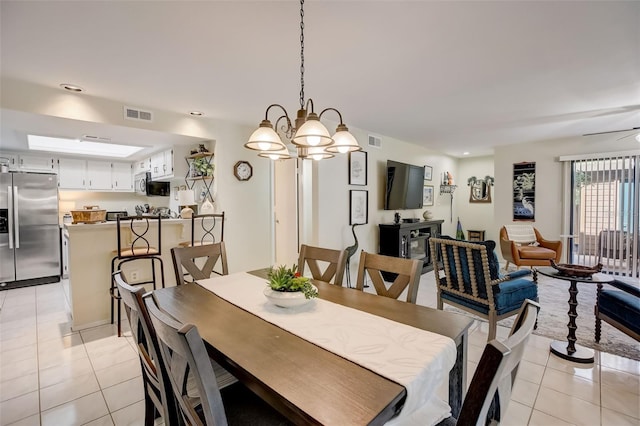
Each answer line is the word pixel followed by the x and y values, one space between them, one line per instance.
pixel 618 306
pixel 523 245
pixel 472 281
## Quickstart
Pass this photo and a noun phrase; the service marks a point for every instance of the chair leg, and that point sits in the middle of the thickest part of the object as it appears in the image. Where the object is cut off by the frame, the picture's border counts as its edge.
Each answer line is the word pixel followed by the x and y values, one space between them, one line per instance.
pixel 506 267
pixel 113 285
pixel 493 325
pixel 119 326
pixel 161 271
pixel 149 409
pixel 440 304
pixel 153 271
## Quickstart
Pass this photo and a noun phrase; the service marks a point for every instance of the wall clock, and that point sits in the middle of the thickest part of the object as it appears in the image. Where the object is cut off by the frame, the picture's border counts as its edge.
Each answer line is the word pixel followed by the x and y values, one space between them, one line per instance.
pixel 243 170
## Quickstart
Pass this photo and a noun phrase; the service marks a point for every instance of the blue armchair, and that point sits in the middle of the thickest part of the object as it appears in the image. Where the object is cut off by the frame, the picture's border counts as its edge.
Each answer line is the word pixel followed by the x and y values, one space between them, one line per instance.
pixel 472 281
pixel 620 307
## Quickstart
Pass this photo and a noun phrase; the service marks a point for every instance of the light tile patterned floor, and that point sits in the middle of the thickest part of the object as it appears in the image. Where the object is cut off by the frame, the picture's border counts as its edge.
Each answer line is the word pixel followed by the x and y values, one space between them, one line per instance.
pixel 51 375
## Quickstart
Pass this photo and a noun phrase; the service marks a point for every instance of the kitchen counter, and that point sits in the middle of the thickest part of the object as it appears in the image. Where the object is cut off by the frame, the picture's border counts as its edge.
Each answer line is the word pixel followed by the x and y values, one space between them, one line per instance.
pixel 91 248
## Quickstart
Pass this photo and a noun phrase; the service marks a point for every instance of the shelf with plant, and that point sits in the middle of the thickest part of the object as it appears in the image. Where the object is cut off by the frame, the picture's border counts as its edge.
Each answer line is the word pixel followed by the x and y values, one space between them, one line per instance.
pixel 202 167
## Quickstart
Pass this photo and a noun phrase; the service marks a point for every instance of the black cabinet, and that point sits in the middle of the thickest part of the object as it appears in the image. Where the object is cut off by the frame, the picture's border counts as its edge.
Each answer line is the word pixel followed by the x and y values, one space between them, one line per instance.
pixel 410 240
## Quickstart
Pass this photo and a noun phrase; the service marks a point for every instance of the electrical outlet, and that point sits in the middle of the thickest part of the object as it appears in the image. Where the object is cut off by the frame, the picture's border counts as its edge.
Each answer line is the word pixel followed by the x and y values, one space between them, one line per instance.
pixel 134 275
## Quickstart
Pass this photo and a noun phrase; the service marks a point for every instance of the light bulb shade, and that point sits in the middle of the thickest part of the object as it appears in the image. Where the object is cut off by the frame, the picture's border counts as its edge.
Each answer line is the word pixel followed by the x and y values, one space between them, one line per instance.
pixel 318 153
pixel 264 138
pixel 282 154
pixel 312 133
pixel 186 197
pixel 343 141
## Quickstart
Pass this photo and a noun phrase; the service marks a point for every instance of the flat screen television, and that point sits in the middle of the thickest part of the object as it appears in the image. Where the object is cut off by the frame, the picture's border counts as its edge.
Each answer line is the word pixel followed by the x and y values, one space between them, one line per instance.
pixel 404 186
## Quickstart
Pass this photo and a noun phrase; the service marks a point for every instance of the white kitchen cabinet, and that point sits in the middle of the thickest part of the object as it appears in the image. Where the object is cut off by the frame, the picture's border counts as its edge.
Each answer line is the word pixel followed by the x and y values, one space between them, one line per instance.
pixel 36 163
pixel 122 177
pixel 143 166
pixel 10 159
pixel 162 165
pixel 99 175
pixel 72 173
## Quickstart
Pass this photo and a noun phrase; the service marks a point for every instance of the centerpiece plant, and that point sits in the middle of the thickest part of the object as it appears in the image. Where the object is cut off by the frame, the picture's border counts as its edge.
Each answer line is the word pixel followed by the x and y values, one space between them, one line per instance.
pixel 286 279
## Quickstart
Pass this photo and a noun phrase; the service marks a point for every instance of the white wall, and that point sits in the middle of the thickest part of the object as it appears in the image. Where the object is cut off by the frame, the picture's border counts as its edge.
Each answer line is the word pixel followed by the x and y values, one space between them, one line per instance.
pixel 476 216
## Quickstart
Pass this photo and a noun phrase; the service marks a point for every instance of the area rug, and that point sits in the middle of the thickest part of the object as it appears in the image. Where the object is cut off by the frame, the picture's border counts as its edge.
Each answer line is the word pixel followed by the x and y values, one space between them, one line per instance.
pixel 553 319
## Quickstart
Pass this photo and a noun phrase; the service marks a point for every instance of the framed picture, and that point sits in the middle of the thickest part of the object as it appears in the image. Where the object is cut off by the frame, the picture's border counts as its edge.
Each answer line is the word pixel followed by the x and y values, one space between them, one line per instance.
pixel 428 172
pixel 427 195
pixel 358 168
pixel 524 192
pixel 358 206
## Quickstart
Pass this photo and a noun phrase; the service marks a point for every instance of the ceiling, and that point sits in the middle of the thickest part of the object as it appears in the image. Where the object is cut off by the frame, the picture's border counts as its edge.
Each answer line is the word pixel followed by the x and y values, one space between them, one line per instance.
pixel 452 76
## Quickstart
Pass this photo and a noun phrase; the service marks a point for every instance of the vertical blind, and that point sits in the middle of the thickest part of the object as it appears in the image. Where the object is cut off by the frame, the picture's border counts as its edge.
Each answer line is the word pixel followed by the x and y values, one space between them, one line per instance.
pixel 603 212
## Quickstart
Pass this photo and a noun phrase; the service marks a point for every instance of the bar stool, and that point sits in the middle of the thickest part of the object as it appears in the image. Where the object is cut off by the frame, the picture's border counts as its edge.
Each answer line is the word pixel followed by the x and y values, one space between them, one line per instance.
pixel 139 249
pixel 207 223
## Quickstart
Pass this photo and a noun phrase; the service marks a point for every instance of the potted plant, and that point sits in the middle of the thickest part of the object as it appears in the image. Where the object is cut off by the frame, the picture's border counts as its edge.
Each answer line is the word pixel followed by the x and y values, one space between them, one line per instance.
pixel 287 288
pixel 203 167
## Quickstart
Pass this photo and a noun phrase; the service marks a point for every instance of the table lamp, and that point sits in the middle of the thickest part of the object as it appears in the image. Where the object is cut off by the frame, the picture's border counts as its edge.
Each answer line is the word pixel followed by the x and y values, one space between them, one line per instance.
pixel 186 199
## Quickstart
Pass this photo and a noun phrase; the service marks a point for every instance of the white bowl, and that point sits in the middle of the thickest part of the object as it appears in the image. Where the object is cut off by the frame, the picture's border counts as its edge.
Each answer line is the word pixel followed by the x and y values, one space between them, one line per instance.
pixel 286 299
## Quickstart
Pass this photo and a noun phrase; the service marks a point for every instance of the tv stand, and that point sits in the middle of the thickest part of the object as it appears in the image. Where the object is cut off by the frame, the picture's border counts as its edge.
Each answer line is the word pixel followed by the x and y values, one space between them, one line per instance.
pixel 410 240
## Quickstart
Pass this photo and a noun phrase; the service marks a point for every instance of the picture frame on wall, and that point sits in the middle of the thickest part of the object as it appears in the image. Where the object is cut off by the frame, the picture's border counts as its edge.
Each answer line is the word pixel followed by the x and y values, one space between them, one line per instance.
pixel 358 206
pixel 428 172
pixel 427 195
pixel 358 168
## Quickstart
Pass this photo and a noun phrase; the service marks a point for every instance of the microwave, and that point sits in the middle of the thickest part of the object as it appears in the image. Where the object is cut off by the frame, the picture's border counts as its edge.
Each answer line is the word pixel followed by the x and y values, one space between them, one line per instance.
pixel 145 186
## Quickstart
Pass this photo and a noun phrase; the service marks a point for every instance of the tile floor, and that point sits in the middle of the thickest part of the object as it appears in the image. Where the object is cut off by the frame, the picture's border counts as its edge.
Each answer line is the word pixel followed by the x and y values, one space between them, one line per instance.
pixel 51 375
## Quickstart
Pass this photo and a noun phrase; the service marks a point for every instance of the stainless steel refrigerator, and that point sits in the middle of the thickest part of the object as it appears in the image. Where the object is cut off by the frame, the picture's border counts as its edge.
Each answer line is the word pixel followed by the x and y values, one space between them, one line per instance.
pixel 29 229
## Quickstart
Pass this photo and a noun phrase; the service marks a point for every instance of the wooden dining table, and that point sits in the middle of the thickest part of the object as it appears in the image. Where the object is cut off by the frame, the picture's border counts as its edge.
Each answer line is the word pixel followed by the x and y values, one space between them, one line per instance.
pixel 306 383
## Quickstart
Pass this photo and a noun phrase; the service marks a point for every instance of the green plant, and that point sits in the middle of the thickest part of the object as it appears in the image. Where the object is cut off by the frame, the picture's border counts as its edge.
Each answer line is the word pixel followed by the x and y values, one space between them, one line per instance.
pixel 203 166
pixel 282 278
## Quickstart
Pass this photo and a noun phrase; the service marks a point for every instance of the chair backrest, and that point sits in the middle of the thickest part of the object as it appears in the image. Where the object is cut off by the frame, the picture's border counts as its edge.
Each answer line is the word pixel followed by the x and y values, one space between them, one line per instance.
pixel 207 256
pixel 324 264
pixel 491 385
pixel 210 225
pixel 148 349
pixel 140 241
pixel 469 268
pixel 521 234
pixel 404 272
pixel 184 355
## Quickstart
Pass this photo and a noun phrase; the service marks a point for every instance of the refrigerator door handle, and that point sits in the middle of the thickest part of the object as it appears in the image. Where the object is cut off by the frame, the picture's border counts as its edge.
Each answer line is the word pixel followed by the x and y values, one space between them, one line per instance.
pixel 16 218
pixel 10 211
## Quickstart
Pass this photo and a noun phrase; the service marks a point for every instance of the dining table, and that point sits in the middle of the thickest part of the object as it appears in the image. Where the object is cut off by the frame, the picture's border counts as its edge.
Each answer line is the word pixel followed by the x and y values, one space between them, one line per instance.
pixel 304 381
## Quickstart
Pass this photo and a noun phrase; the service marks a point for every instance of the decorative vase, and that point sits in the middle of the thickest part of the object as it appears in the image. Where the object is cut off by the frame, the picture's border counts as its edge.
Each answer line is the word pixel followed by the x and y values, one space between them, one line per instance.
pixel 427 215
pixel 286 299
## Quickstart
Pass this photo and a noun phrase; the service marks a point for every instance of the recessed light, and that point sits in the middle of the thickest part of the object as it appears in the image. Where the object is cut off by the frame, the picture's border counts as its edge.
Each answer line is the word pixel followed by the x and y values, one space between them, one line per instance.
pixel 197 113
pixel 465 153
pixel 71 87
pixel 638 137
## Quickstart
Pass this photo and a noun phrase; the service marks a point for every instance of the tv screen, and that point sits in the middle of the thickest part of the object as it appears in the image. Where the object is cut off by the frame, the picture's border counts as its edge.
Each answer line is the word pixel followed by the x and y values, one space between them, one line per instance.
pixel 404 186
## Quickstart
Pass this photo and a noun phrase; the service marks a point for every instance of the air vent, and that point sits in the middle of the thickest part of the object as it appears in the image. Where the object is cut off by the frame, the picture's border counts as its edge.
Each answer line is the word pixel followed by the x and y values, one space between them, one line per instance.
pixel 137 114
pixel 375 141
pixel 92 138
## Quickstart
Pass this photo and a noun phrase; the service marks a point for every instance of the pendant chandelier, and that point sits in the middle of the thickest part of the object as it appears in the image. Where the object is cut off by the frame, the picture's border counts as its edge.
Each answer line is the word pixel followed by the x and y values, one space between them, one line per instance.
pixel 310 137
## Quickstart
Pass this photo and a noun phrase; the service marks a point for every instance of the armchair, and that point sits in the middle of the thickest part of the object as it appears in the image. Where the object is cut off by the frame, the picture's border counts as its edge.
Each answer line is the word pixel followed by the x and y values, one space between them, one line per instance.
pixel 620 307
pixel 523 245
pixel 472 282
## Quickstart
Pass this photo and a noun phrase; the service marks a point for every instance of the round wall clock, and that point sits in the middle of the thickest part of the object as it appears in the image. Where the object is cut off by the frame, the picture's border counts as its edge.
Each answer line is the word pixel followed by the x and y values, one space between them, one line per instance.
pixel 243 170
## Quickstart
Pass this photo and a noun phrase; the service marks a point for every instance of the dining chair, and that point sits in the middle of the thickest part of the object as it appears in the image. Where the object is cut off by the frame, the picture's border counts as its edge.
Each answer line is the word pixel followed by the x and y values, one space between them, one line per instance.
pixel 184 356
pixel 406 273
pixel 324 264
pixel 490 389
pixel 472 280
pixel 199 261
pixel 136 242
pixel 158 394
pixel 208 225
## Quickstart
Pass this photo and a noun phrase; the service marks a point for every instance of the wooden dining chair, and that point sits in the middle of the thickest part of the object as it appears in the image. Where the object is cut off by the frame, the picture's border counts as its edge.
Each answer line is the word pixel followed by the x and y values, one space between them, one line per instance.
pixel 184 356
pixel 406 273
pixel 199 261
pixel 158 394
pixel 324 264
pixel 490 389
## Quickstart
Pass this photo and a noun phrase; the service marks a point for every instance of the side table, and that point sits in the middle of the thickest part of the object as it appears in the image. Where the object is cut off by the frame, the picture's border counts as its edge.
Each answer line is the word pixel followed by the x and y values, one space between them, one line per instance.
pixel 569 350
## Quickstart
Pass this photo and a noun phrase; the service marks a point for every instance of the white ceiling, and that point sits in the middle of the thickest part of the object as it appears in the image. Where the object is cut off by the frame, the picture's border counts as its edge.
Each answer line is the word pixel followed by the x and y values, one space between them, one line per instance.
pixel 452 76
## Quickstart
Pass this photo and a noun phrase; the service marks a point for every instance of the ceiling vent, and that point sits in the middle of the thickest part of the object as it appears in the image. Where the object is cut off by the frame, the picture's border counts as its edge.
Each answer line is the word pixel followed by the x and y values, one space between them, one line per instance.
pixel 375 142
pixel 131 113
pixel 92 138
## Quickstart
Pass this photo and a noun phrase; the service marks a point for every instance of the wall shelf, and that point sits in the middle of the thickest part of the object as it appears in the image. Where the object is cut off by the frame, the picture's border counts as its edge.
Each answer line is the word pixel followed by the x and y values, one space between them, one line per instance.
pixel 191 179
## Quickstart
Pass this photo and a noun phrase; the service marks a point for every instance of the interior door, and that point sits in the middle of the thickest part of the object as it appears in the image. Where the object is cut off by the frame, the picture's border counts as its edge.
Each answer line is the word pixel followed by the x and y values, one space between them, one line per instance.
pixel 285 207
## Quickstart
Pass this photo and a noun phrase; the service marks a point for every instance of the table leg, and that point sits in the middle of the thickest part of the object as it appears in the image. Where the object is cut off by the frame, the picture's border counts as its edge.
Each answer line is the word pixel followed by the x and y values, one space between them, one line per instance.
pixel 571 351
pixel 458 377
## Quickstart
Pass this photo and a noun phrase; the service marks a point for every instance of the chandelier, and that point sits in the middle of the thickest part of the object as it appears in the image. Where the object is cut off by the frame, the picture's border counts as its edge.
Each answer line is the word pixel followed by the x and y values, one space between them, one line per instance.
pixel 310 137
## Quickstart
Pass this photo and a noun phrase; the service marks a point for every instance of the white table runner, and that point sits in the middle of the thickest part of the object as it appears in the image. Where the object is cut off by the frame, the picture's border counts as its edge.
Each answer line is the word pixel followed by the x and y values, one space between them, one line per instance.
pixel 417 359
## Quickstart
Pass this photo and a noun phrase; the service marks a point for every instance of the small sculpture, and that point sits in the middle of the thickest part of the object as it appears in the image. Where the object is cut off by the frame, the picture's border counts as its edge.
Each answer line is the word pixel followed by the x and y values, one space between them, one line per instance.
pixel 351 250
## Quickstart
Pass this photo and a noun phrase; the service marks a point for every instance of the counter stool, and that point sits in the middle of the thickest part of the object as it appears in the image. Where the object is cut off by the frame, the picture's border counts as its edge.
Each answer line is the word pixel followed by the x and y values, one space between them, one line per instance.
pixel 207 223
pixel 138 249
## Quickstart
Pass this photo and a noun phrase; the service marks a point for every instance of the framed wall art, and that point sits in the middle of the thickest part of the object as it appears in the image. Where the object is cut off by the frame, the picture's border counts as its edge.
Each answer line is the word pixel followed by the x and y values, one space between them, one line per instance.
pixel 427 195
pixel 524 191
pixel 358 168
pixel 358 206
pixel 428 172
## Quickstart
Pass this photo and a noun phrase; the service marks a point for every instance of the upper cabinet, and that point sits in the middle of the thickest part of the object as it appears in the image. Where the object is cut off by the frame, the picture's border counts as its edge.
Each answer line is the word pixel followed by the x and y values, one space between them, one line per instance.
pixel 95 175
pixel 99 175
pixel 142 166
pixel 72 173
pixel 122 177
pixel 36 163
pixel 162 165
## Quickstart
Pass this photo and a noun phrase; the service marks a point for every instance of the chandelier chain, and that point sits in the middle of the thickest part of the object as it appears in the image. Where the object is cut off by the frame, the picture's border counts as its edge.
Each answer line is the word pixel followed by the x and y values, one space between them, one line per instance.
pixel 301 54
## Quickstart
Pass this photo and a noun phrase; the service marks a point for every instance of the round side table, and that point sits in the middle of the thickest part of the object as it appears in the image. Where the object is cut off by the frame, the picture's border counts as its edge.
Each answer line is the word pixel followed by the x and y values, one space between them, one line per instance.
pixel 569 350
